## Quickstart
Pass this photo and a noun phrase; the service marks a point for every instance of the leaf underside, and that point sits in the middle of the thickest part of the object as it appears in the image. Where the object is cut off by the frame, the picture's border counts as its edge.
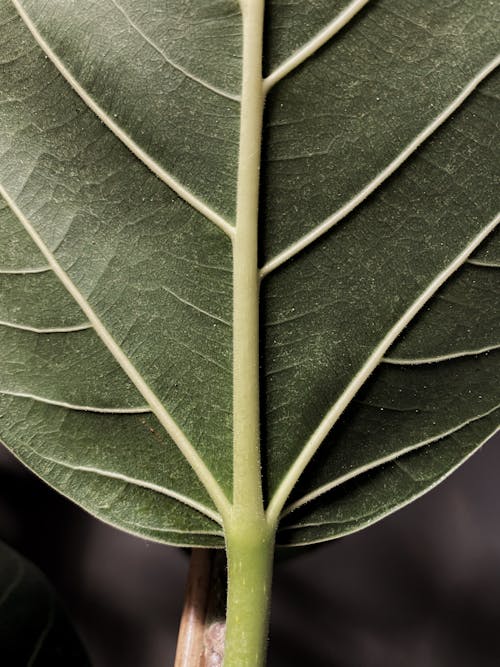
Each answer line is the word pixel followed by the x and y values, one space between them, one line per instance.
pixel 119 148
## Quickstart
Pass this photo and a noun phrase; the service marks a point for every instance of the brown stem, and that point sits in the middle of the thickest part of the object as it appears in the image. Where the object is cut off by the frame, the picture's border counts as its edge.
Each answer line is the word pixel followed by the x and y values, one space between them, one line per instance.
pixel 201 634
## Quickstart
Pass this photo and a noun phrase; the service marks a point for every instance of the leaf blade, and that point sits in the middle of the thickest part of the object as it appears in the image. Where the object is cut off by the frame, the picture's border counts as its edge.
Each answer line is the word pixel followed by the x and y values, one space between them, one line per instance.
pixel 157 273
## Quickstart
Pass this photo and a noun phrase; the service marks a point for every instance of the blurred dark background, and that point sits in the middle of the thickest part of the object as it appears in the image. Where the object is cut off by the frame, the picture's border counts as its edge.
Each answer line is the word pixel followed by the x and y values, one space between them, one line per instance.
pixel 419 589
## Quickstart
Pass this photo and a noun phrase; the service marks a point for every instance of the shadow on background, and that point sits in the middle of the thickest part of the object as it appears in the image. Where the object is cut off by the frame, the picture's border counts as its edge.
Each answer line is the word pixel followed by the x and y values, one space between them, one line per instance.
pixel 419 589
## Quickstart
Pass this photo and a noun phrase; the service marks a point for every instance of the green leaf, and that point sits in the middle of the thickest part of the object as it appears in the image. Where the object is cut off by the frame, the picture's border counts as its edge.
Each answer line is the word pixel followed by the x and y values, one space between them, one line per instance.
pixel 34 629
pixel 119 176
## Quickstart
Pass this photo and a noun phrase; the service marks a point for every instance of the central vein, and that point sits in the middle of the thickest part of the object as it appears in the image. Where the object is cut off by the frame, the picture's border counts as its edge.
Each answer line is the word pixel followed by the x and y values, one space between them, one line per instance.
pixel 247 485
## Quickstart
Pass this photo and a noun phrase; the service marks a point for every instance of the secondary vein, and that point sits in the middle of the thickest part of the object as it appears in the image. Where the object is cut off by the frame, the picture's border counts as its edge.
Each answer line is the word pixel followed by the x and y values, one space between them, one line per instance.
pixel 408 361
pixel 329 420
pixel 151 486
pixel 325 488
pixel 24 271
pixel 485 263
pixel 75 406
pixel 172 63
pixel 310 48
pixel 171 427
pixel 360 197
pixel 146 159
pixel 46 330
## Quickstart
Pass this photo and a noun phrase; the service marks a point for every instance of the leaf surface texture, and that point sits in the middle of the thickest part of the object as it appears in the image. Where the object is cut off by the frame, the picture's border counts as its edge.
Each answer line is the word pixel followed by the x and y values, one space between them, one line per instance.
pixel 379 258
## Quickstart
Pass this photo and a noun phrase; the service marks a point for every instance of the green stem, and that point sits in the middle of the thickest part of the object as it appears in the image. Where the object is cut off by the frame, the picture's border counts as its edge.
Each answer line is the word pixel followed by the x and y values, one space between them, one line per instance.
pixel 250 551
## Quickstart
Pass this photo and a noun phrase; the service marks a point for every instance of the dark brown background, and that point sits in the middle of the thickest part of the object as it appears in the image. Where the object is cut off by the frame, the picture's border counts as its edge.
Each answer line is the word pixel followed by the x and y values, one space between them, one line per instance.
pixel 419 589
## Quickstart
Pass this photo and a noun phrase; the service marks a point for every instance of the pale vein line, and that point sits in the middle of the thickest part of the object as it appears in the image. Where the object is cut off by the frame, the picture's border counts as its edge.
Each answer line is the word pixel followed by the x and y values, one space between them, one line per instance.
pixel 24 271
pixel 484 263
pixel 110 522
pixel 74 406
pixel 47 330
pixel 170 533
pixel 336 217
pixel 379 462
pixel 162 174
pixel 314 44
pixel 177 531
pixel 44 632
pixel 187 73
pixel 331 417
pixel 370 520
pixel 174 431
pixel 397 361
pixel 150 486
pixel 194 307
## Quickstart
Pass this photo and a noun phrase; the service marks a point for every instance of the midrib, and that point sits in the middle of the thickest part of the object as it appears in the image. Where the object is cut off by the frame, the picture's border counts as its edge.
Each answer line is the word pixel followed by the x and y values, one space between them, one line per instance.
pixel 247 484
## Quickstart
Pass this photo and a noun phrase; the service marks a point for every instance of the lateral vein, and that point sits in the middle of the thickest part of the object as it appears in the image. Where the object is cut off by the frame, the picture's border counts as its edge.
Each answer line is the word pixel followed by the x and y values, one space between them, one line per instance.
pixel 146 159
pixel 360 197
pixel 174 431
pixel 402 361
pixel 378 462
pixel 47 330
pixel 169 61
pixel 312 445
pixel 164 491
pixel 310 48
pixel 74 406
pixel 176 531
pixel 194 307
pixel 24 271
pixel 484 263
